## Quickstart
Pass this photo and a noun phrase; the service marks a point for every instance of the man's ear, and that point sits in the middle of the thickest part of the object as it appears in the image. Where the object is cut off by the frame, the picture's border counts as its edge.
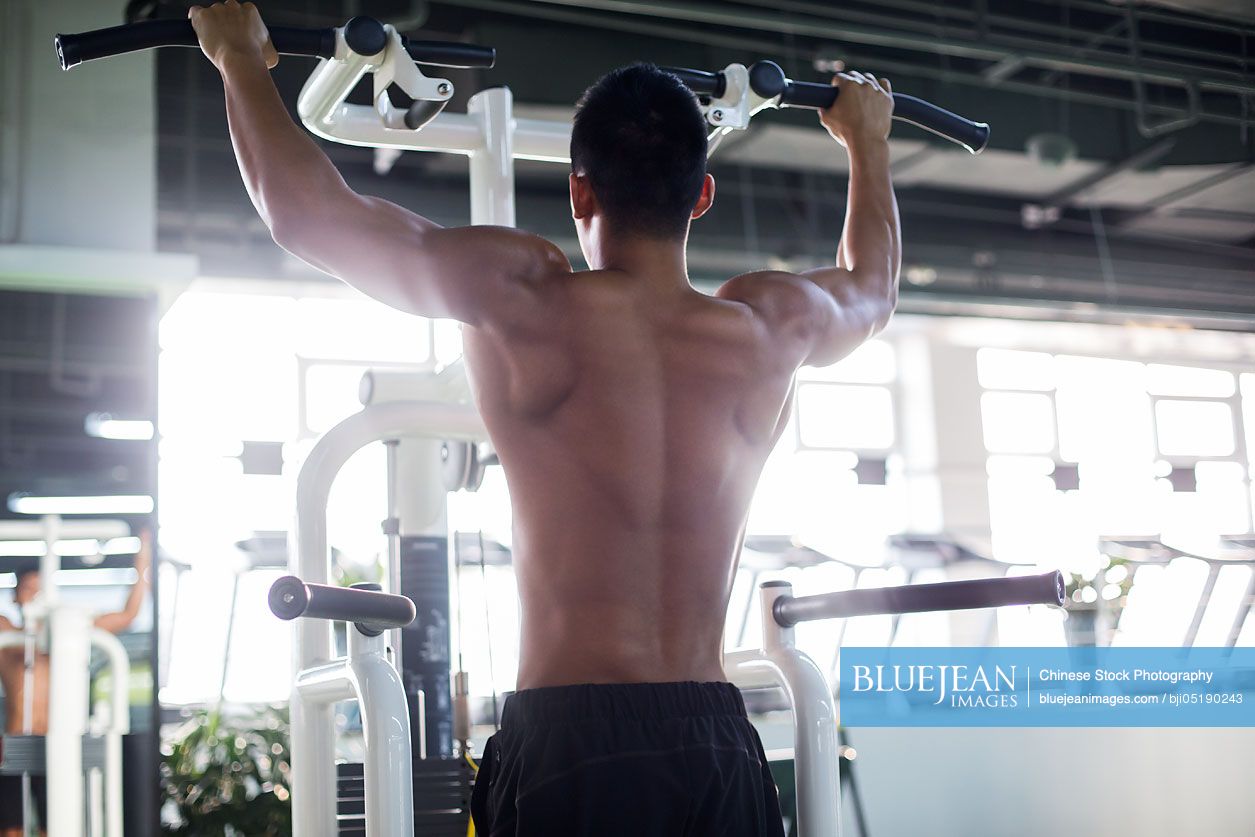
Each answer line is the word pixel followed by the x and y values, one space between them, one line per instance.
pixel 583 201
pixel 706 198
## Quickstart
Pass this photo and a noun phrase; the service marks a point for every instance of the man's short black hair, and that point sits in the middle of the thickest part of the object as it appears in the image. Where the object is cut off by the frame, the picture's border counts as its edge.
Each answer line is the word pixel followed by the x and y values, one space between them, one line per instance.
pixel 640 138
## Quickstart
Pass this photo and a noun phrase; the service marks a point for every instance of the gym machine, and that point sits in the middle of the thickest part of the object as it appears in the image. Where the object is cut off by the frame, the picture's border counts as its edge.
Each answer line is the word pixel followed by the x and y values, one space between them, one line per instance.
pixel 81 755
pixel 401 674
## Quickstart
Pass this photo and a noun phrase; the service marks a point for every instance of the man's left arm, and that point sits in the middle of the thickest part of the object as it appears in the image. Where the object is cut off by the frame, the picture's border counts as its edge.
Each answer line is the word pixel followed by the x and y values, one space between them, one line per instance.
pixel 115 623
pixel 479 275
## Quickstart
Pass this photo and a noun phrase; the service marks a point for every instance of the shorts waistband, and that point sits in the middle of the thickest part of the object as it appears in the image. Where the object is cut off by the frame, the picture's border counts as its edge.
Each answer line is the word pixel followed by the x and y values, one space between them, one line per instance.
pixel 622 701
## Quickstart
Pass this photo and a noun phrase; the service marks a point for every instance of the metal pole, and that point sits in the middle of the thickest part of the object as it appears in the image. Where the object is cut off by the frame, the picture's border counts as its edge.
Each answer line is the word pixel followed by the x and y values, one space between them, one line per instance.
pixel 392 531
pixel 1046 588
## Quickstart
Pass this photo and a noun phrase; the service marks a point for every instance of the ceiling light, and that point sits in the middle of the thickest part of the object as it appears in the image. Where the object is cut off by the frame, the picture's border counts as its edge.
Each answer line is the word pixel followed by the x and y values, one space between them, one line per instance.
pixel 106 504
pixel 105 426
pixel 72 547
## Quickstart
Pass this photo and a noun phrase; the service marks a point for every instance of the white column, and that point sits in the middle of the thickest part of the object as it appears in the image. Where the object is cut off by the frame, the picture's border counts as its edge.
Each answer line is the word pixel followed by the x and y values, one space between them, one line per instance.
pixel 492 167
pixel 67 719
pixel 78 150
pixel 942 441
pixel 944 456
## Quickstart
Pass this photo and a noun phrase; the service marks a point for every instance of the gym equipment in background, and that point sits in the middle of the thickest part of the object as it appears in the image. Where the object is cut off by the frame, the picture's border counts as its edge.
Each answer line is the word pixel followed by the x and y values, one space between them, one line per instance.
pixel 81 755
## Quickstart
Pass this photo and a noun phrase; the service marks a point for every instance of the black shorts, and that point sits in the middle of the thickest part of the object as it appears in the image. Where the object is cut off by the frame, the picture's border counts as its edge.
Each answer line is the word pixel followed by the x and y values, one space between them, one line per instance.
pixel 638 759
pixel 11 800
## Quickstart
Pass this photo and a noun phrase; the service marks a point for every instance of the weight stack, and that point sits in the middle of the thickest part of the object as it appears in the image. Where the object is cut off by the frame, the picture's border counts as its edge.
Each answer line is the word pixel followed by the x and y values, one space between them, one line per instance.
pixel 442 798
pixel 425 642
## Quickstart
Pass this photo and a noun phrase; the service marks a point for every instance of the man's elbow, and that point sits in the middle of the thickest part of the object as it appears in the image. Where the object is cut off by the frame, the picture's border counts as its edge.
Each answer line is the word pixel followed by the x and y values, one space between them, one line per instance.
pixel 885 308
pixel 289 231
pixel 879 298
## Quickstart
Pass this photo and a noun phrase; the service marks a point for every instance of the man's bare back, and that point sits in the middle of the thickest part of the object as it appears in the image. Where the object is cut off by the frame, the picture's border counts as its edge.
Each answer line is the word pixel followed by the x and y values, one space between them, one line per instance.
pixel 632 434
pixel 13 680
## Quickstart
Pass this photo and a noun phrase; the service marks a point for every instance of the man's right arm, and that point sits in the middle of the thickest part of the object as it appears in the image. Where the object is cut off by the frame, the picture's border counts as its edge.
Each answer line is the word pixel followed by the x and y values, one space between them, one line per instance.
pixel 828 312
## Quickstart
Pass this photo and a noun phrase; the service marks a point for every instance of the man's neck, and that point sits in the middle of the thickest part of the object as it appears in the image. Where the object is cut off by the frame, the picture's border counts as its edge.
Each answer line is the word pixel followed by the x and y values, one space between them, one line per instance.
pixel 657 261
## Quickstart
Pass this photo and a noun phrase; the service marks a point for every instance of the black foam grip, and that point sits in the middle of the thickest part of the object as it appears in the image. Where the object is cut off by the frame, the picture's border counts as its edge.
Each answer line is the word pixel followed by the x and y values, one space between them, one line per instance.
pixel 451 54
pixel 290 598
pixel 700 82
pixel 73 50
pixel 1046 588
pixel 769 81
pixel 805 94
pixel 973 136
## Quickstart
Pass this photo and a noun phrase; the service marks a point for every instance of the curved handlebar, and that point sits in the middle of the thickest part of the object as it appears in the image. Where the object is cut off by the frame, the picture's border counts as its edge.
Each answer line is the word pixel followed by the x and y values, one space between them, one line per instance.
pixel 769 81
pixel 372 611
pixel 1046 588
pixel 73 50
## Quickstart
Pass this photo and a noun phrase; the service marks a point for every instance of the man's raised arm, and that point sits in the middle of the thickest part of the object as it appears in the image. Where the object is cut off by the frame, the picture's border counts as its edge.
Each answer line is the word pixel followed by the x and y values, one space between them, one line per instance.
pixel 478 275
pixel 121 620
pixel 864 283
pixel 826 313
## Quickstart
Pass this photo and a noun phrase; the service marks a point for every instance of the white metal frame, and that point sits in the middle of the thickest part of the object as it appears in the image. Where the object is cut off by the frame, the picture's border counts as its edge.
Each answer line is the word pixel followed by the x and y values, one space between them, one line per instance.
pixel 779 663
pixel 390 808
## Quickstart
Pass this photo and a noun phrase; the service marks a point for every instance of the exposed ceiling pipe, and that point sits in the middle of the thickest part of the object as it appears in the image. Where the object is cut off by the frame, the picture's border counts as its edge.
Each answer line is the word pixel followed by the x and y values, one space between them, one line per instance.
pixel 986 24
pixel 1047 211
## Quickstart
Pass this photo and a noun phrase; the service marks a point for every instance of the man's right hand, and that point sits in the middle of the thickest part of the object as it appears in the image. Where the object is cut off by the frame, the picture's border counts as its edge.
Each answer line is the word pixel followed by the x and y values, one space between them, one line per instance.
pixel 228 30
pixel 863 109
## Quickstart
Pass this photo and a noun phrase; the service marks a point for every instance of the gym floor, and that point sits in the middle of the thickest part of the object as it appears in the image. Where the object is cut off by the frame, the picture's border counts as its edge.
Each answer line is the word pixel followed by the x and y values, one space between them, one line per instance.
pixel 1067 384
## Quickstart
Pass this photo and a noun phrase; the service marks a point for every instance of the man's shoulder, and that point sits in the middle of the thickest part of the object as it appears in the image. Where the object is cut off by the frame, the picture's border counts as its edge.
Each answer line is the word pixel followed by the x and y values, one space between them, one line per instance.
pixel 538 256
pixel 775 295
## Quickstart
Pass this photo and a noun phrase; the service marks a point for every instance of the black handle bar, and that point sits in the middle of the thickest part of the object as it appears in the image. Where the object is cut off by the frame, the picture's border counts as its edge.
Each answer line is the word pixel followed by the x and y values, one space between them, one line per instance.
pixel 1046 588
pixel 362 33
pixel 372 611
pixel 769 81
pixel 701 82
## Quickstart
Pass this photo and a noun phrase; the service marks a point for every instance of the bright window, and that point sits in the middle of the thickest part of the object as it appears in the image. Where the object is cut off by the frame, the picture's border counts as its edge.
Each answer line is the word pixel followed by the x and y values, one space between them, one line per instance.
pixel 230 373
pixel 1194 428
pixel 1018 422
pixel 846 417
pixel 1188 380
pixel 1008 369
pixel 874 362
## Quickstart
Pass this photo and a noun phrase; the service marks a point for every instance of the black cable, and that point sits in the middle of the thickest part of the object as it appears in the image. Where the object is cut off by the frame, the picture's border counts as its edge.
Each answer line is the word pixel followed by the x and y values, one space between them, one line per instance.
pixel 457 591
pixel 483 576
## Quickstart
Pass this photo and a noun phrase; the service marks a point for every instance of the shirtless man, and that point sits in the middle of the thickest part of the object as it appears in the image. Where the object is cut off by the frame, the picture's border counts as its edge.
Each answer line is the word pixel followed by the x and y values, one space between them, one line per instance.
pixel 13 679
pixel 632 415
